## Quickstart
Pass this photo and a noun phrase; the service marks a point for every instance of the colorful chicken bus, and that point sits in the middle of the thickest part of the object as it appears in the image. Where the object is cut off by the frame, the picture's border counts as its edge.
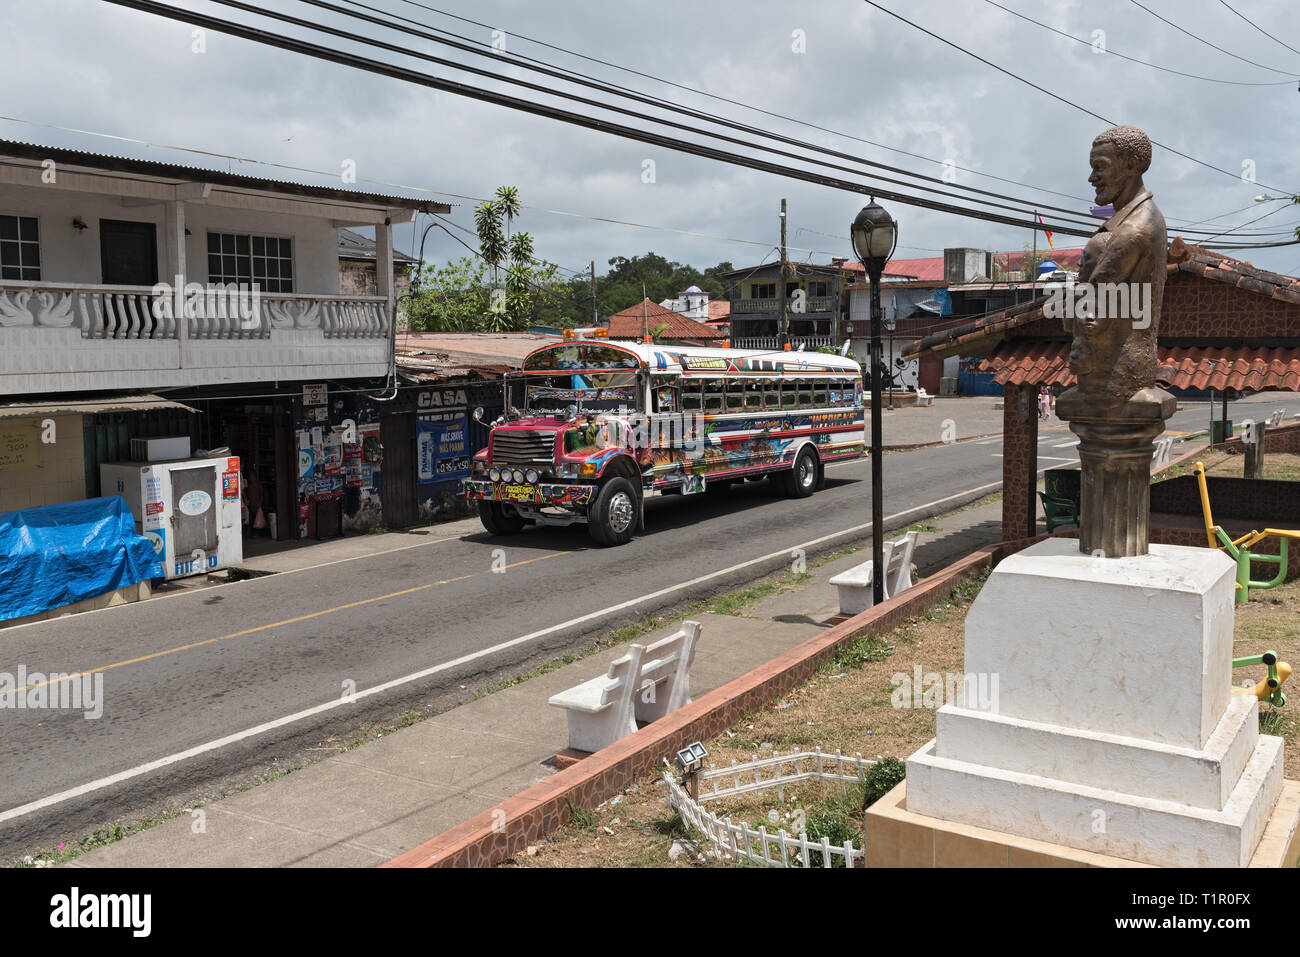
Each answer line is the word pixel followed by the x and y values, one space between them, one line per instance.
pixel 605 424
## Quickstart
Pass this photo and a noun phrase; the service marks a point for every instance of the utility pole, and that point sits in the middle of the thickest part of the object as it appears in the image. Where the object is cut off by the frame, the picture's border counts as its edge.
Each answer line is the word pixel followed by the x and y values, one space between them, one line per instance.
pixel 783 333
pixel 1033 265
pixel 595 314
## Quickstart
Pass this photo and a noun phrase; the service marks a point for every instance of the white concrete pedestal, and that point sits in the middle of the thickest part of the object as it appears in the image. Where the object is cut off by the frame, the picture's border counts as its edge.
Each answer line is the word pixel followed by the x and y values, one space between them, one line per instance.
pixel 1114 728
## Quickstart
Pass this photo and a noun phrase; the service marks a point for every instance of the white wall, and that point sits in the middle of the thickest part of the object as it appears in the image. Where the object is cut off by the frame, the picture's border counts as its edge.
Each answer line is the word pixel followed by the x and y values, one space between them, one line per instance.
pixel 72 255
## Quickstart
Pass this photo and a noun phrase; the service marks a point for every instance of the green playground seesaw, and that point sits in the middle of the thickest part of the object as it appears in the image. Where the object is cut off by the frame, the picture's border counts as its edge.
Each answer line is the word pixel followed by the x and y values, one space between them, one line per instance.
pixel 1239 549
pixel 1269 688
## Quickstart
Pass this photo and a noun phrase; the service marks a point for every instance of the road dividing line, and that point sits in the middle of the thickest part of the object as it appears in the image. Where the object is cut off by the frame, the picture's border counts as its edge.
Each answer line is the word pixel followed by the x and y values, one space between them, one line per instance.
pixel 160 763
pixel 287 621
pixel 1066 445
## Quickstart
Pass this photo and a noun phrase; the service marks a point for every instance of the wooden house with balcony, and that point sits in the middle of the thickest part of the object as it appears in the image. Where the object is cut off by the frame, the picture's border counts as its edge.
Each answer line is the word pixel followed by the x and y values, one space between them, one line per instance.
pixel 814 306
pixel 203 303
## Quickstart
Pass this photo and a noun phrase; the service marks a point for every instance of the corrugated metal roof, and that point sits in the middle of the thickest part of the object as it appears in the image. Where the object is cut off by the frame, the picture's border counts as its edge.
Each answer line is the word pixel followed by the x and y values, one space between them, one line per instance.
pixel 1244 368
pixel 124 403
pixel 310 182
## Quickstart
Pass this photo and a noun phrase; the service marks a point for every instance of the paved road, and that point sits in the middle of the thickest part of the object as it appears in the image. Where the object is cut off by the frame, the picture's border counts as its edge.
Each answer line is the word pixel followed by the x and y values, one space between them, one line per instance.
pixel 204 689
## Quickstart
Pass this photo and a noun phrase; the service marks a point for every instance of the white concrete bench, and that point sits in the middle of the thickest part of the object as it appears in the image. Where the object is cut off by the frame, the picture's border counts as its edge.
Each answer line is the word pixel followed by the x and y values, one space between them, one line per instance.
pixel 665 682
pixel 601 710
pixel 855 585
pixel 647 683
pixel 924 398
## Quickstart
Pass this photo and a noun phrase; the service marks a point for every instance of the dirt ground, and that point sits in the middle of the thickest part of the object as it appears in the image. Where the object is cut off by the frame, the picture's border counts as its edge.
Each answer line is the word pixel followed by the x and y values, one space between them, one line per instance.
pixel 847 705
pixel 1277 465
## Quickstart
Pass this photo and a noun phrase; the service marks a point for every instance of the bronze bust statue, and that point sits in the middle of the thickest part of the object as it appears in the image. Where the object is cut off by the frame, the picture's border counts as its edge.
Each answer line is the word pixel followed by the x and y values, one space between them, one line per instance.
pixel 1114 356
pixel 1115 408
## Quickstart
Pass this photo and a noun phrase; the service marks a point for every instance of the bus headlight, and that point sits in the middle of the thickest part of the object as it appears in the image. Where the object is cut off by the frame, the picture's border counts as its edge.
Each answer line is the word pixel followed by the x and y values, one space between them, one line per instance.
pixel 531 476
pixel 568 470
pixel 518 476
pixel 495 475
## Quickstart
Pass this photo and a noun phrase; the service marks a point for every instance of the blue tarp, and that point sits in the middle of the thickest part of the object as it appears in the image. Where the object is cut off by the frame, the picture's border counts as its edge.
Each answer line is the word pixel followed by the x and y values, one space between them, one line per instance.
pixel 57 554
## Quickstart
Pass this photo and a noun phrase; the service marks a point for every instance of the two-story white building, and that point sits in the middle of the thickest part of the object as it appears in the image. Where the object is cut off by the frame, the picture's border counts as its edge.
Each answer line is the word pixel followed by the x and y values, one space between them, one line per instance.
pixel 126 279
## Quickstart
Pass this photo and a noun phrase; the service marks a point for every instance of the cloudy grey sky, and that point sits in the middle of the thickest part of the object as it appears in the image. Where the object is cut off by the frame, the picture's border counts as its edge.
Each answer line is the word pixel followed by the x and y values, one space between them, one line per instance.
pixel 90 65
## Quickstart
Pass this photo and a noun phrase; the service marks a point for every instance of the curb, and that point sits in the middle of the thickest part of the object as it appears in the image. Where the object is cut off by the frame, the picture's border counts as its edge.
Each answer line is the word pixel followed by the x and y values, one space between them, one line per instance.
pixel 499 834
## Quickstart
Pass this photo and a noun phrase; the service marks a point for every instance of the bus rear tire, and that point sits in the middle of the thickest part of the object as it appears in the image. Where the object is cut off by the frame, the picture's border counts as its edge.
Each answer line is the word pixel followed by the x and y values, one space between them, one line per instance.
pixel 612 518
pixel 801 481
pixel 495 519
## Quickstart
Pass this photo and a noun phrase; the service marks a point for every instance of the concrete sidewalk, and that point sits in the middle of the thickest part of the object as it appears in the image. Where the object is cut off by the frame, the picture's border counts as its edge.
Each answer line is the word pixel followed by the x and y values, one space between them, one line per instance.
pixel 365 806
pixel 971 416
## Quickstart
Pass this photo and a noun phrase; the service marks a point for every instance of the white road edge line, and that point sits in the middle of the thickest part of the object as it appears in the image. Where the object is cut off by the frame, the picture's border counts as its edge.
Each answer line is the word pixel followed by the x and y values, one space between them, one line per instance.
pixel 119 777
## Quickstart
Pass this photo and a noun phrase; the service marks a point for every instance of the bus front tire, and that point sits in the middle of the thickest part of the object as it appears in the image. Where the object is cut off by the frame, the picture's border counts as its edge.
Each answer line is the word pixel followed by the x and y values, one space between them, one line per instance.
pixel 612 519
pixel 497 521
pixel 801 481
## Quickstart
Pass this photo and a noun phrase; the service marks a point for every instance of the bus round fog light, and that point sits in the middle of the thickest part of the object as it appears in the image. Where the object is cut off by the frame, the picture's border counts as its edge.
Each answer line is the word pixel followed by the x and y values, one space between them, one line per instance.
pixel 495 475
pixel 518 476
pixel 531 476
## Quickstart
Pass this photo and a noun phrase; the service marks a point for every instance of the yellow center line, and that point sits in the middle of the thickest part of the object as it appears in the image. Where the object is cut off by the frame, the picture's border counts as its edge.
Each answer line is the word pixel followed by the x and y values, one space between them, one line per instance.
pixel 287 621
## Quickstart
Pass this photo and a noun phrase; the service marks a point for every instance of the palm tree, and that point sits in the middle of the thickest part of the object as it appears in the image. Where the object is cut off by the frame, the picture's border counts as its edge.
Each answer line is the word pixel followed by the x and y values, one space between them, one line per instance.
pixel 508 203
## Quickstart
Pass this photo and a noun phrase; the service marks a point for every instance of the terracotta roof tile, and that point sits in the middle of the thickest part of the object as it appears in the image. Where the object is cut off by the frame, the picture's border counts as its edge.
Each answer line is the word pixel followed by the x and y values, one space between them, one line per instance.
pixel 1245 368
pixel 632 322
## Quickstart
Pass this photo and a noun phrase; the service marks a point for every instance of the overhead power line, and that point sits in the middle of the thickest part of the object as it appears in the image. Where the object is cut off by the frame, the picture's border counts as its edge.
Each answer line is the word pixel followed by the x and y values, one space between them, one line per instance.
pixel 1041 89
pixel 268 38
pixel 724 99
pixel 1132 59
pixel 399 186
pixel 1213 46
pixel 1272 212
pixel 1259 28
pixel 598 124
pixel 618 90
pixel 942 189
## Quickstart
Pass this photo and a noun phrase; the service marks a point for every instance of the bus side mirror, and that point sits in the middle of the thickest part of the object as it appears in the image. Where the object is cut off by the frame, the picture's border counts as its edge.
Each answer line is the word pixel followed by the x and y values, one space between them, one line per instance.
pixel 478 414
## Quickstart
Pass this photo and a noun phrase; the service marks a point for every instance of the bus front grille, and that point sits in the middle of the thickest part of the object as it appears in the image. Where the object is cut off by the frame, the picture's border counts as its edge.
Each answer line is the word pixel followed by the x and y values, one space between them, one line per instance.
pixel 523 447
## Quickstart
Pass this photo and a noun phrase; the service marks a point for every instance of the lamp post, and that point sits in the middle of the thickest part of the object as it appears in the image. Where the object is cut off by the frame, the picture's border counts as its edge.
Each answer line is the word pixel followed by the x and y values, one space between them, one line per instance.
pixel 875 234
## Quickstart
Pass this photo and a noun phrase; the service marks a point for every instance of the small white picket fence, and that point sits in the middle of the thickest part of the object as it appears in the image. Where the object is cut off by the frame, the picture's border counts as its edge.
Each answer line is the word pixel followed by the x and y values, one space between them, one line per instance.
pixel 742 842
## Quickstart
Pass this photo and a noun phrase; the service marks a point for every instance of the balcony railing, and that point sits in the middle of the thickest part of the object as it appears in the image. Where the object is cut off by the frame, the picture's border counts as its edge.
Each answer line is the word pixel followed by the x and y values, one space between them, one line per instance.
pixel 772 342
pixel 62 336
pixel 136 312
pixel 811 305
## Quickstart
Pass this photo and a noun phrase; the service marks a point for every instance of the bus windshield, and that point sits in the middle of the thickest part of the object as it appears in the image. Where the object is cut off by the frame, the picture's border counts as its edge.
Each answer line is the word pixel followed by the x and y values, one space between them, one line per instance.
pixel 577 392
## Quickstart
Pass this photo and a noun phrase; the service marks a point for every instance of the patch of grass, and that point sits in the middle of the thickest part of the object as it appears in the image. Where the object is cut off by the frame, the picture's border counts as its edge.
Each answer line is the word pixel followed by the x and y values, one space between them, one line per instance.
pixel 836 555
pixel 671 826
pixel 986 500
pixel 836 818
pixel 922 527
pixel 1270 721
pixel 857 653
pixel 580 818
pixel 102 837
pixel 965 590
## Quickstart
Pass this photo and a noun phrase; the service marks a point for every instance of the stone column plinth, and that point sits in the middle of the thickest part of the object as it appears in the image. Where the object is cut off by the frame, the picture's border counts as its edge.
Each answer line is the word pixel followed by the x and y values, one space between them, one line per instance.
pixel 1115 449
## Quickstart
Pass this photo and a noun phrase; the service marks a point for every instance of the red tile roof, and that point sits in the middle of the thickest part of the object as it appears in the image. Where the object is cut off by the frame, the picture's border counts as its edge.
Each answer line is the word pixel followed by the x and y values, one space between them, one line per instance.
pixel 1183 257
pixel 719 311
pixel 634 321
pixel 1244 368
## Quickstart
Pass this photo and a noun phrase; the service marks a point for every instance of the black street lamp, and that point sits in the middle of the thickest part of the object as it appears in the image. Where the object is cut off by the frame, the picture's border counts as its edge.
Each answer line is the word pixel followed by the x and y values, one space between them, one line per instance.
pixel 875 235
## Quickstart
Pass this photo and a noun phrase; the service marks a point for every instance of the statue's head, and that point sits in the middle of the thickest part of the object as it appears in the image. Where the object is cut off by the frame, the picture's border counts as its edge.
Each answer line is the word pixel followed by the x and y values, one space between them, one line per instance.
pixel 1119 157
